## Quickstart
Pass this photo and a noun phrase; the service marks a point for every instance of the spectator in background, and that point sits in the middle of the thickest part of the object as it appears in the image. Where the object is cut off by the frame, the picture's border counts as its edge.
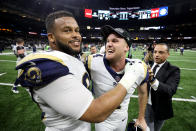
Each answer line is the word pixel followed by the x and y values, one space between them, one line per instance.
pixel 181 50
pixel 163 83
pixel 102 49
pixel 1 48
pixel 34 48
pixel 20 52
pixel 85 48
pixel 93 49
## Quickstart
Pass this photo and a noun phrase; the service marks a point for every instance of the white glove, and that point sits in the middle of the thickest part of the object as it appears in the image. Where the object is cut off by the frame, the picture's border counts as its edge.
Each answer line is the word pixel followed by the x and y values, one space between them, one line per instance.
pixel 135 73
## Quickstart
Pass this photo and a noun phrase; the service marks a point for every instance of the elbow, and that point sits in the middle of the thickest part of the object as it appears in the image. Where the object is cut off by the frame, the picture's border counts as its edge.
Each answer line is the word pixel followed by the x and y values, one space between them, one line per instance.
pixel 101 119
pixel 95 119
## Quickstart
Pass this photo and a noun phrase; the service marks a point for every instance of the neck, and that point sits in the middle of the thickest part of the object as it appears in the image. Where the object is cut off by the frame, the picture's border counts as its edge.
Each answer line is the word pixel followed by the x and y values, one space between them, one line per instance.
pixel 118 65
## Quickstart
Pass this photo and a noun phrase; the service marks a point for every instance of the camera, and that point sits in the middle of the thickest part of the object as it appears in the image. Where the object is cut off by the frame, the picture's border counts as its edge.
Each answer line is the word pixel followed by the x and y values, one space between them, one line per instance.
pixel 131 127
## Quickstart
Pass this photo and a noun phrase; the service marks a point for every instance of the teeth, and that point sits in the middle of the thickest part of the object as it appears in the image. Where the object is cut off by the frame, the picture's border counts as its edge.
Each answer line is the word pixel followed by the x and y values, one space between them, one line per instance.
pixel 110 51
pixel 75 42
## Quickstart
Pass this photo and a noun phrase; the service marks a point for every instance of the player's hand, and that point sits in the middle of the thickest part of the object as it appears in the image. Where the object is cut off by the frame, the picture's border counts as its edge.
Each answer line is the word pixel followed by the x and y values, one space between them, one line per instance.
pixel 140 122
pixel 134 75
pixel 151 74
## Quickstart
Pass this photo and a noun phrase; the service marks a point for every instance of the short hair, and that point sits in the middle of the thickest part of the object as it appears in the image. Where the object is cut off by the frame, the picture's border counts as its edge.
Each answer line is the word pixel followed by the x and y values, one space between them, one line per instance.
pixel 52 16
pixel 164 44
pixel 19 40
pixel 92 45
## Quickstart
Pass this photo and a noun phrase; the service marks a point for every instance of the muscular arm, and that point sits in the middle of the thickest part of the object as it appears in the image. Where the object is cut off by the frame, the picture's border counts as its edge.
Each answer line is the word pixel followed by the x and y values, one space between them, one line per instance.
pixel 104 105
pixel 142 100
pixel 74 100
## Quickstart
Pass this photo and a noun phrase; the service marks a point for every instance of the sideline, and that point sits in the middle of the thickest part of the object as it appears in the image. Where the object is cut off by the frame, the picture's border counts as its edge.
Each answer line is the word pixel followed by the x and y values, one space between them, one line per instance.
pixel 133 96
pixel 170 60
pixel 3 73
pixel 174 99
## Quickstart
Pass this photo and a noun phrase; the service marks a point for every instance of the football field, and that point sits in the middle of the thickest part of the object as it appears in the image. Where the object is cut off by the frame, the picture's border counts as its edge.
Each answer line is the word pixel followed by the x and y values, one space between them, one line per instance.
pixel 19 113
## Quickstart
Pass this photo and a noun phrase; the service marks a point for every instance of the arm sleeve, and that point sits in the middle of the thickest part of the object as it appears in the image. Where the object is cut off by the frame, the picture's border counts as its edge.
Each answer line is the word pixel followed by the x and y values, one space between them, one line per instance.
pixel 67 96
pixel 169 87
pixel 155 85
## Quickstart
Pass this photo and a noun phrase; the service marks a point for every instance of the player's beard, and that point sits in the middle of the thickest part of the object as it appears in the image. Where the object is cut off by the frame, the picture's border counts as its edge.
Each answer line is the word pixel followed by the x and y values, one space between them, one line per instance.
pixel 67 49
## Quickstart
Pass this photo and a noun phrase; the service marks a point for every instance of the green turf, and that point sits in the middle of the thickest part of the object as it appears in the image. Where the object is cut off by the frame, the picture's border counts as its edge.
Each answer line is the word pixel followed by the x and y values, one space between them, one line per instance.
pixel 19 113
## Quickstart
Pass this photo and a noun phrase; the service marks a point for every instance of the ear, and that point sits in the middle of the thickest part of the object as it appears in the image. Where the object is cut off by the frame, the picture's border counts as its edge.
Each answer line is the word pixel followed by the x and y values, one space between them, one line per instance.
pixel 127 48
pixel 168 54
pixel 51 38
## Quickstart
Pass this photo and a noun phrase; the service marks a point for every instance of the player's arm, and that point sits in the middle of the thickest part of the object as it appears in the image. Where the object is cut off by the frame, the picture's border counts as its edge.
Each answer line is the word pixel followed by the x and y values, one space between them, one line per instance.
pixel 69 97
pixel 142 101
pixel 104 105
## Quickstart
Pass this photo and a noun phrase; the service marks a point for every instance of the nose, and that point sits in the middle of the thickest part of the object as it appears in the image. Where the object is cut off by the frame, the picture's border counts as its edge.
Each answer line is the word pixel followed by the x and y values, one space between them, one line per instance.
pixel 76 34
pixel 109 44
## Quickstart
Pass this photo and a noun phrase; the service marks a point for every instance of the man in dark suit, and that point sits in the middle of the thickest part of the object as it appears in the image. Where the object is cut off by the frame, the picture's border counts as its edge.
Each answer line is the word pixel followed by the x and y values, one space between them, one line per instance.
pixel 163 82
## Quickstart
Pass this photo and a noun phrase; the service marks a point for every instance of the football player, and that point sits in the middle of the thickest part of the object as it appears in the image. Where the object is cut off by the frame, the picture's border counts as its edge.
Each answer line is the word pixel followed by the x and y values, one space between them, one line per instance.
pixel 57 80
pixel 107 70
pixel 20 52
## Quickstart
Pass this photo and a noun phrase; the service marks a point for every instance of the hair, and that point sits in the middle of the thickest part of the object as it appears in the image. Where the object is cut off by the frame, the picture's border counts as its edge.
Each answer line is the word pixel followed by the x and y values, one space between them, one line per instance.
pixel 52 16
pixel 19 40
pixel 165 45
pixel 92 45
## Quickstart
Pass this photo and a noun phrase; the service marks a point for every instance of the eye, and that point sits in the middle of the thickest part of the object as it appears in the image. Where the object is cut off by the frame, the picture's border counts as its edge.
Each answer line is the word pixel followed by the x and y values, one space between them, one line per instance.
pixel 114 40
pixel 67 30
pixel 77 30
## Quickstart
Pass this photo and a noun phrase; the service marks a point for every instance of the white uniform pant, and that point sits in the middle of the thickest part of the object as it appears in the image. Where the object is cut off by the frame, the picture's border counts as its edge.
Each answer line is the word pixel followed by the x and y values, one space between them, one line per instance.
pixel 83 127
pixel 117 121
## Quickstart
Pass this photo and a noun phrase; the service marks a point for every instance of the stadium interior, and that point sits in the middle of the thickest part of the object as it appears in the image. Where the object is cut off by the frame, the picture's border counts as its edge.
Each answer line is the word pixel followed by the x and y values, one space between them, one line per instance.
pixel 20 17
pixel 26 19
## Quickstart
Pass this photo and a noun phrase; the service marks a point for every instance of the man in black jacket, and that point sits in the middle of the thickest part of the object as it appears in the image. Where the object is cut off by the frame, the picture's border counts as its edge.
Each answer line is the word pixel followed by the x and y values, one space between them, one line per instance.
pixel 163 82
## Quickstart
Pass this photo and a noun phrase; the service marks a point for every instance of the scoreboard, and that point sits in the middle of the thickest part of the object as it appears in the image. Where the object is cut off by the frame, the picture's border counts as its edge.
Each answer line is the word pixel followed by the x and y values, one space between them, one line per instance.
pixel 127 14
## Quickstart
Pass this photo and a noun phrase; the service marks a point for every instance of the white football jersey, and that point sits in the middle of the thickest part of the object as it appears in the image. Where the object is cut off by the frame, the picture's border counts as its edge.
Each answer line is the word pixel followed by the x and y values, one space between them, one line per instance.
pixel 59 85
pixel 104 79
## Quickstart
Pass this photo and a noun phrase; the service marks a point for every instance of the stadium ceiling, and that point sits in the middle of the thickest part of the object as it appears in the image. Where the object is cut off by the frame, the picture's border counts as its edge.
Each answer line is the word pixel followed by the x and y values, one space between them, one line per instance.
pixel 30 14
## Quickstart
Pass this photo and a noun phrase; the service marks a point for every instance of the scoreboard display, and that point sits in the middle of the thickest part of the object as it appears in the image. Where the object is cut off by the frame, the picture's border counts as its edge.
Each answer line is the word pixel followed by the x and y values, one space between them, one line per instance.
pixel 127 14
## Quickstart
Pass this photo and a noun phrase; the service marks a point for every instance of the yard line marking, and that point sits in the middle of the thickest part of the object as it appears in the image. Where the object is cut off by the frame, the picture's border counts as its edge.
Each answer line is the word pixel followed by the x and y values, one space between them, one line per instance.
pixel 193 97
pixel 8 60
pixel 181 99
pixel 133 96
pixel 180 88
pixel 7 53
pixel 187 69
pixel 3 73
pixel 174 99
pixel 192 61
pixel 6 84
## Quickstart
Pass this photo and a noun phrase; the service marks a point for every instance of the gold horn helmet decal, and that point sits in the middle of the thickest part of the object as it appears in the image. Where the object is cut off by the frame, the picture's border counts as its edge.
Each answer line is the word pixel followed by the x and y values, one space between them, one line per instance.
pixel 33 75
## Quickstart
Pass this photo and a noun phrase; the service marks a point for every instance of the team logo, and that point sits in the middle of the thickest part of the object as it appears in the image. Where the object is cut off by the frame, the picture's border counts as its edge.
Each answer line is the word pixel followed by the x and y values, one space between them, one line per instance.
pixel 114 83
pixel 33 75
pixel 163 11
pixel 117 78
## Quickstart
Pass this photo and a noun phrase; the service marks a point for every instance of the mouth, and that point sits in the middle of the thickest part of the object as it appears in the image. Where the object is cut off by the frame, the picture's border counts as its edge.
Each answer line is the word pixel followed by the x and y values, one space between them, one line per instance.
pixel 75 42
pixel 156 58
pixel 110 51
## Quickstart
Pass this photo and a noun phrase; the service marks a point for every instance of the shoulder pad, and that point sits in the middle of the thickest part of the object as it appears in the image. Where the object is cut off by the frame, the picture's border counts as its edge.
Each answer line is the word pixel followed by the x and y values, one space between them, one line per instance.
pixel 38 72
